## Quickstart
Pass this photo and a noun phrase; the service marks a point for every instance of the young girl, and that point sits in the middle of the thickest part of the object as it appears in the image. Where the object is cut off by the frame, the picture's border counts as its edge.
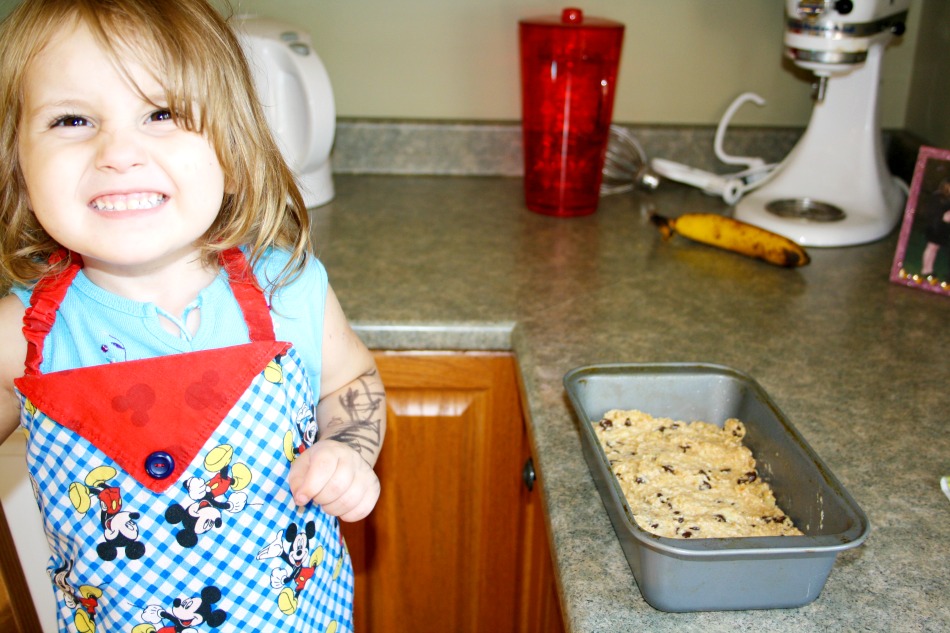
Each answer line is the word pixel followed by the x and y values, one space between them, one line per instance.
pixel 936 227
pixel 156 246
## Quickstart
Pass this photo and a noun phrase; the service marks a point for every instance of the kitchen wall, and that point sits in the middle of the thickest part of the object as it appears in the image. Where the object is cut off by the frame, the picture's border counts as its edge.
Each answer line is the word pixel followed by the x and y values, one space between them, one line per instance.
pixel 683 62
pixel 928 108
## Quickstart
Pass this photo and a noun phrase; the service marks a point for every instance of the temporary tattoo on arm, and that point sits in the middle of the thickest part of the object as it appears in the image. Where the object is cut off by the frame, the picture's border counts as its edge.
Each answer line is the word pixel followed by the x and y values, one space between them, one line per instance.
pixel 358 422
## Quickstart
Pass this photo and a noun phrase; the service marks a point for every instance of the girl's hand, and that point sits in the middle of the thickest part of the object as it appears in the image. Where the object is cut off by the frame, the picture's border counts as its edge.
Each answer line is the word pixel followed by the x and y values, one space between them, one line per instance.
pixel 336 477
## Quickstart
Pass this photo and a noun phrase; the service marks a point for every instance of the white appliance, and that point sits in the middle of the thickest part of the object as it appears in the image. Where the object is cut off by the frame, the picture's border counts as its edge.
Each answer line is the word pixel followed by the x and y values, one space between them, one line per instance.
pixel 294 88
pixel 834 188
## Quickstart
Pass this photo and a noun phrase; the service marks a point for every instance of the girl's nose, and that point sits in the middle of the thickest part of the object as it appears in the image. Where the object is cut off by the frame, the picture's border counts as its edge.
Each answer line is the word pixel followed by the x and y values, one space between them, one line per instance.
pixel 119 150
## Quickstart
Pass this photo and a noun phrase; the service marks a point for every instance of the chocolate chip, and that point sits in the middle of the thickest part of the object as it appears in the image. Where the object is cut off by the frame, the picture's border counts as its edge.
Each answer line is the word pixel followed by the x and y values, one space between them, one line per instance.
pixel 720 518
pixel 668 468
pixel 606 424
pixel 748 478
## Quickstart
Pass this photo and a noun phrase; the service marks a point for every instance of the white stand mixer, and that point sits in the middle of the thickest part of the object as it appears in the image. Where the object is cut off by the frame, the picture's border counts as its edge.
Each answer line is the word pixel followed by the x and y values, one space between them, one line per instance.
pixel 834 188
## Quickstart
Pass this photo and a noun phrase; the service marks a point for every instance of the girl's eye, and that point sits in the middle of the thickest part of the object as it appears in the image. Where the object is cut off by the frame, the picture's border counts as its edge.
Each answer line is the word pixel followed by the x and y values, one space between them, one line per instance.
pixel 70 120
pixel 161 115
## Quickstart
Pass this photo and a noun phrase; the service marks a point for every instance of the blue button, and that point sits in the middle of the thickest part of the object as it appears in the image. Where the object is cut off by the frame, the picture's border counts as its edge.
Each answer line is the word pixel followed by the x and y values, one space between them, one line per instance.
pixel 159 464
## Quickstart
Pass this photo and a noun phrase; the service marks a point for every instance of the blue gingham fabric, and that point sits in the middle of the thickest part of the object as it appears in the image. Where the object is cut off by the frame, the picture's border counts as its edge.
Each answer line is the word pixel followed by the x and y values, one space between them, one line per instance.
pixel 222 549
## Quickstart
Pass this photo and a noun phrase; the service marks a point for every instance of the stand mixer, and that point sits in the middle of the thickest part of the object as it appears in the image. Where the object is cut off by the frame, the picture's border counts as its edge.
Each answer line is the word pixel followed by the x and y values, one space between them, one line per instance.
pixel 834 188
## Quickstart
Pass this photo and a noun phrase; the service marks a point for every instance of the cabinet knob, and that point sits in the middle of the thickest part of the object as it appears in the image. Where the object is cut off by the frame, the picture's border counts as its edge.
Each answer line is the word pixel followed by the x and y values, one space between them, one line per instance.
pixel 528 475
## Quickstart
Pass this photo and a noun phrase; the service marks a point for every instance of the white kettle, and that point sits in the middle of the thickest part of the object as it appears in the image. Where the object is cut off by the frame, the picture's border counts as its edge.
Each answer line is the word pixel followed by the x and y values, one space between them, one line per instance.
pixel 295 90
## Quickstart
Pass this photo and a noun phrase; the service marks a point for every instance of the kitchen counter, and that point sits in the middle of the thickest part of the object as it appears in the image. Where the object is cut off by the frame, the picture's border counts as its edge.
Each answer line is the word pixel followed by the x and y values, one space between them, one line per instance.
pixel 859 365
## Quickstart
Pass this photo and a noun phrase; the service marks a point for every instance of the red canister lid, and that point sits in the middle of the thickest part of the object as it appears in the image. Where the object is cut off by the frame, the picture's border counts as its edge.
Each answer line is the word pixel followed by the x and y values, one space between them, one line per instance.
pixel 572 18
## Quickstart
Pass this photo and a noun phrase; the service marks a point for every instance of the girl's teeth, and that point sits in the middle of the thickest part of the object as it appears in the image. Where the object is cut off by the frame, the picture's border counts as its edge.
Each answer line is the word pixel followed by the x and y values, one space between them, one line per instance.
pixel 130 202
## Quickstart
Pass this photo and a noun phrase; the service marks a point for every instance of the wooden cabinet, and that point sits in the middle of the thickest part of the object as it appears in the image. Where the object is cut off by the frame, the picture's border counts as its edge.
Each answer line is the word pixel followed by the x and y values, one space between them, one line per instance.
pixel 458 541
pixel 17 614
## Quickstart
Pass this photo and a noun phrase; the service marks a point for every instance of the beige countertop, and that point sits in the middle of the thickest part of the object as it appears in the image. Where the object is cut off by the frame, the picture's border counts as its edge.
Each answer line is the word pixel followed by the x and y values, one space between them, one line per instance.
pixel 859 366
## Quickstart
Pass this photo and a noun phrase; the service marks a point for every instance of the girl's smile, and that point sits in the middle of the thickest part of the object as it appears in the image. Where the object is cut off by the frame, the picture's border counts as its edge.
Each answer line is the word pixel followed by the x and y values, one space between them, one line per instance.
pixel 109 172
pixel 128 202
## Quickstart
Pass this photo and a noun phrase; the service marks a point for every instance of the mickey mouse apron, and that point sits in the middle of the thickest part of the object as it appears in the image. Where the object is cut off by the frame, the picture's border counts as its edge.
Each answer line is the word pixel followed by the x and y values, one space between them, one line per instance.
pixel 162 484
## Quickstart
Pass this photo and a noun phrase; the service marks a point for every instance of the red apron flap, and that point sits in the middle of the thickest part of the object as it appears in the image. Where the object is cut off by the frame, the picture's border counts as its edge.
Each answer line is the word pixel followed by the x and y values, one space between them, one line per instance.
pixel 170 404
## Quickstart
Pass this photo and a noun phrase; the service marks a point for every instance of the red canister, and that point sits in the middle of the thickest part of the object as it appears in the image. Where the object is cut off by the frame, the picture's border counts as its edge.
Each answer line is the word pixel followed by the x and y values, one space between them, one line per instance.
pixel 569 69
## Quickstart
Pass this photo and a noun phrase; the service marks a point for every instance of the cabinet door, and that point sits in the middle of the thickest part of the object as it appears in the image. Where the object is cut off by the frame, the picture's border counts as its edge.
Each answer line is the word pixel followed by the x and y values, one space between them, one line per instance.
pixel 540 608
pixel 17 614
pixel 444 550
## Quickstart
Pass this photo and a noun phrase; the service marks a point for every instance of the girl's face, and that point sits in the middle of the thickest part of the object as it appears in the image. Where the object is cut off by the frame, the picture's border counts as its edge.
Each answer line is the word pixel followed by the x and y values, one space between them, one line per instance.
pixel 108 174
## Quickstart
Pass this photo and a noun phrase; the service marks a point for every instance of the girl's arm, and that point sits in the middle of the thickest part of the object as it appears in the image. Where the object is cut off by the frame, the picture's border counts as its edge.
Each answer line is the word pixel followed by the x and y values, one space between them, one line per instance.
pixel 337 471
pixel 12 356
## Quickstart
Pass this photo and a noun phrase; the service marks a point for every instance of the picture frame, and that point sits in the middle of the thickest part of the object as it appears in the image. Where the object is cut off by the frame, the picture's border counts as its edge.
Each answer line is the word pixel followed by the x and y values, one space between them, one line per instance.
pixel 922 258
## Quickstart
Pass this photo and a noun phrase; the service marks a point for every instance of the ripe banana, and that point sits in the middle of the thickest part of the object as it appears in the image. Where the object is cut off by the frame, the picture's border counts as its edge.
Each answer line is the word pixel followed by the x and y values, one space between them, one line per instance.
pixel 734 235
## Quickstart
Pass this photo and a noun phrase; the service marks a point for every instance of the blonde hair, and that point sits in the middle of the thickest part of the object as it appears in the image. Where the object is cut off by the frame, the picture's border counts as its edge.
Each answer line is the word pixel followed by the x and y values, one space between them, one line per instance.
pixel 198 60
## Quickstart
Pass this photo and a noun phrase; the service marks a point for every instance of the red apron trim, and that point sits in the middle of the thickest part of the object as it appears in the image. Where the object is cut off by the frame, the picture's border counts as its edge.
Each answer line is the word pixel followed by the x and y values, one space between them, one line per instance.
pixel 170 403
pixel 44 302
pixel 249 295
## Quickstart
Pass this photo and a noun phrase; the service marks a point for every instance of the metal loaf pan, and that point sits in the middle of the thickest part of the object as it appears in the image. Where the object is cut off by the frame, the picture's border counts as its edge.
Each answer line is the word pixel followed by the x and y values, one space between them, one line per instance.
pixel 725 573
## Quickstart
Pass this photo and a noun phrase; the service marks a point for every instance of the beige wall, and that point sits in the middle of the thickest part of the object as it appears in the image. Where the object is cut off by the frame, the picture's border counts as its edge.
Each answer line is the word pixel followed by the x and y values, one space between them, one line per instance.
pixel 683 61
pixel 928 109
